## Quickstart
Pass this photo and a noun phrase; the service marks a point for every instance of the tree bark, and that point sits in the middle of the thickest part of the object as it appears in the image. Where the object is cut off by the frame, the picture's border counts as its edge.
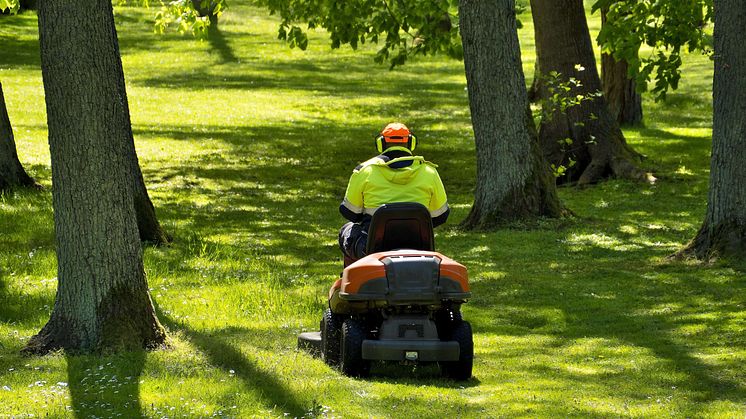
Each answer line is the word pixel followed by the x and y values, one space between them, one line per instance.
pixel 723 232
pixel 513 180
pixel 102 300
pixel 620 90
pixel 12 173
pixel 598 147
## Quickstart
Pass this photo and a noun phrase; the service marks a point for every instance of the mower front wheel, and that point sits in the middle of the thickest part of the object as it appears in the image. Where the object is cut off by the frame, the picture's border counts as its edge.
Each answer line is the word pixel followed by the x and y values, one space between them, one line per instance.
pixel 353 334
pixel 461 370
pixel 331 334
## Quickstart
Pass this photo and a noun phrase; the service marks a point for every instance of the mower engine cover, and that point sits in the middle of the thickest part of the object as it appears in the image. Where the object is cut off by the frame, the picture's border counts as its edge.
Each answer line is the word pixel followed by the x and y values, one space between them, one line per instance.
pixel 403 277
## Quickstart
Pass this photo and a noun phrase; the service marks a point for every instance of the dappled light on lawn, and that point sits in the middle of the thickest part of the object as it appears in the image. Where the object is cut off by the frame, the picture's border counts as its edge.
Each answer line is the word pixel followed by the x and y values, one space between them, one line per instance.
pixel 246 147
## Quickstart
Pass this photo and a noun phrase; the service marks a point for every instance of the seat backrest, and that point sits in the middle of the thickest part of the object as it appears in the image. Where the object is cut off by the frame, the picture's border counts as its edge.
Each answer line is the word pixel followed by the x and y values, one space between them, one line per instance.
pixel 401 225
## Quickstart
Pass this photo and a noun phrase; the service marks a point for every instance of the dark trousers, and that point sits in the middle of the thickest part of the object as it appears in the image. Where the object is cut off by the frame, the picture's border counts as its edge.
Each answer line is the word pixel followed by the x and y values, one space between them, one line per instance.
pixel 353 238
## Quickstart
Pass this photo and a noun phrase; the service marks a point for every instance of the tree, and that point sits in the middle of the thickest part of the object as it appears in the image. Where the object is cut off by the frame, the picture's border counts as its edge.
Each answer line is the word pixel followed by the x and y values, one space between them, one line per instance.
pixel 12 173
pixel 513 180
pixel 620 90
pixel 102 300
pixel 148 226
pixel 665 26
pixel 584 139
pixel 404 29
pixel 206 8
pixel 9 6
pixel 723 232
pixel 200 17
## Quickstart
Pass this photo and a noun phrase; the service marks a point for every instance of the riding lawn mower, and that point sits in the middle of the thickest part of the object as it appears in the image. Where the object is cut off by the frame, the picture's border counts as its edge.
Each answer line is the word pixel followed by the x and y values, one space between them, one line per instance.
pixel 399 303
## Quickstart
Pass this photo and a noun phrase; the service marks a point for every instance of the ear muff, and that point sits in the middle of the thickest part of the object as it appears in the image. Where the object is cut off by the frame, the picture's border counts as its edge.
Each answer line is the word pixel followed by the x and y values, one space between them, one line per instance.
pixel 379 143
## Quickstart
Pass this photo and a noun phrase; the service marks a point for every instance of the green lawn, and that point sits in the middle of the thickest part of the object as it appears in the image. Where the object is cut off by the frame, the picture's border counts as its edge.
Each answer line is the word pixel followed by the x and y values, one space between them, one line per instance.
pixel 246 147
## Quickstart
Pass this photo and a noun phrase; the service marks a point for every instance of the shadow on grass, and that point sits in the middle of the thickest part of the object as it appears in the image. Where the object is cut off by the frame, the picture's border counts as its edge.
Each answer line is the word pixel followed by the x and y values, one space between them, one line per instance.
pixel 20 307
pixel 219 44
pixel 322 76
pixel 106 386
pixel 632 307
pixel 224 355
pixel 428 375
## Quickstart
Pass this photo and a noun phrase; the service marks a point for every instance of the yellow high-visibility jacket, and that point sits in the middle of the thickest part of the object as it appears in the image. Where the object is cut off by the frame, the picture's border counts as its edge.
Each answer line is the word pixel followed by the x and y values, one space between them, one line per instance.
pixel 375 183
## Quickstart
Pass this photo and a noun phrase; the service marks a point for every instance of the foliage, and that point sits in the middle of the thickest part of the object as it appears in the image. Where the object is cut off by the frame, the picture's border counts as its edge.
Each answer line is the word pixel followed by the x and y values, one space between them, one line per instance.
pixel 405 28
pixel 247 162
pixel 138 3
pixel 10 6
pixel 667 27
pixel 562 96
pixel 189 16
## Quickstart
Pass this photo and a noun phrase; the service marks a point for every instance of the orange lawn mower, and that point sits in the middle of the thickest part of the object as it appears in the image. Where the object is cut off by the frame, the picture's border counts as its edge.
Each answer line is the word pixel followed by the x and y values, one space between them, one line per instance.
pixel 400 303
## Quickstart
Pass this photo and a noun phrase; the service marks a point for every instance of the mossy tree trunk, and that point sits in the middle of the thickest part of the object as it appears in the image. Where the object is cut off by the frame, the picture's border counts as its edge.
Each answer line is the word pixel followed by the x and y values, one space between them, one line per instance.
pixel 598 147
pixel 620 90
pixel 12 174
pixel 102 300
pixel 723 232
pixel 513 180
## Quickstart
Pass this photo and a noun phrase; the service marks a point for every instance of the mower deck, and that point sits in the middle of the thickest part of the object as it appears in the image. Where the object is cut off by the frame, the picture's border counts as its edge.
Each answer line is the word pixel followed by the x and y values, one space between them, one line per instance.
pixel 310 342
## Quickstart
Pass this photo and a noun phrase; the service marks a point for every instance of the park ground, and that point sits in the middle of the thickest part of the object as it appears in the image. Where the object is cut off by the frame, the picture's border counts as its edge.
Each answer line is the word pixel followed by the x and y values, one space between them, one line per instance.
pixel 246 147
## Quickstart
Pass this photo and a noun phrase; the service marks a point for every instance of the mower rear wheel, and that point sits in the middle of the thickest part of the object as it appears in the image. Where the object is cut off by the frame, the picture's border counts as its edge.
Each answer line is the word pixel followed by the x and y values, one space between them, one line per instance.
pixel 446 319
pixel 353 334
pixel 331 336
pixel 461 370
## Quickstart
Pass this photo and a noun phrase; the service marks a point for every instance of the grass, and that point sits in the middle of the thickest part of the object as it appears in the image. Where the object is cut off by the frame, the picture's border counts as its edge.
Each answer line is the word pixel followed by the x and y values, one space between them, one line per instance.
pixel 246 147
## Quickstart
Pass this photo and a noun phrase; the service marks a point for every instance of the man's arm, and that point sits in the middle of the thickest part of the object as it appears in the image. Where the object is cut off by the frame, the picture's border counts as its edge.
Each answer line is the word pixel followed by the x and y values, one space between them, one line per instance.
pixel 439 209
pixel 441 218
pixel 352 205
pixel 346 212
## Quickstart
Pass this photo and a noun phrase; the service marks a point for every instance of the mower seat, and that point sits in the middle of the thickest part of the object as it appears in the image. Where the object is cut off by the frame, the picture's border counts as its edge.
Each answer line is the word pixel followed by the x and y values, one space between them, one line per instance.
pixel 401 225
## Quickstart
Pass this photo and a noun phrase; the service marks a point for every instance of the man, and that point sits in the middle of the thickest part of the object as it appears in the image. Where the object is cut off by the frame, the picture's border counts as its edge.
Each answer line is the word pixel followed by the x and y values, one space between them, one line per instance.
pixel 393 176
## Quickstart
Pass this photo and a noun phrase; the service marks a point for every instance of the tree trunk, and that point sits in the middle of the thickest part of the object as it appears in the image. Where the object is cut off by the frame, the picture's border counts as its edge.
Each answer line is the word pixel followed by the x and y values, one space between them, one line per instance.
pixel 597 146
pixel 207 11
pixel 102 300
pixel 12 173
pixel 620 90
pixel 513 180
pixel 723 232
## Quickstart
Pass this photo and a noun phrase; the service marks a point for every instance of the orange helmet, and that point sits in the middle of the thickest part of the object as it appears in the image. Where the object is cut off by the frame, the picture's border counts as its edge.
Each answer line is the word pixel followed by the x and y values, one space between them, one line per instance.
pixel 395 134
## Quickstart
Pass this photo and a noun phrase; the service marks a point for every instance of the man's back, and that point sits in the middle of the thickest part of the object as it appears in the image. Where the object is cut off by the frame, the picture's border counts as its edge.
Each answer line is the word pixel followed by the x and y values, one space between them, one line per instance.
pixel 393 176
pixel 376 183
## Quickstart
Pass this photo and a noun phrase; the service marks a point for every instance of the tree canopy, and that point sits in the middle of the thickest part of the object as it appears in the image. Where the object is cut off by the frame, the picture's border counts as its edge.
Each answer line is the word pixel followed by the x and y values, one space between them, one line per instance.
pixel 10 6
pixel 403 28
pixel 667 27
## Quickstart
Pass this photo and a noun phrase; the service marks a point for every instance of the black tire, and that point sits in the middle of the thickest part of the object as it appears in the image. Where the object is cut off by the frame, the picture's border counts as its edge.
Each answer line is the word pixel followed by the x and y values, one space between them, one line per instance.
pixel 461 370
pixel 331 337
pixel 446 319
pixel 353 334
